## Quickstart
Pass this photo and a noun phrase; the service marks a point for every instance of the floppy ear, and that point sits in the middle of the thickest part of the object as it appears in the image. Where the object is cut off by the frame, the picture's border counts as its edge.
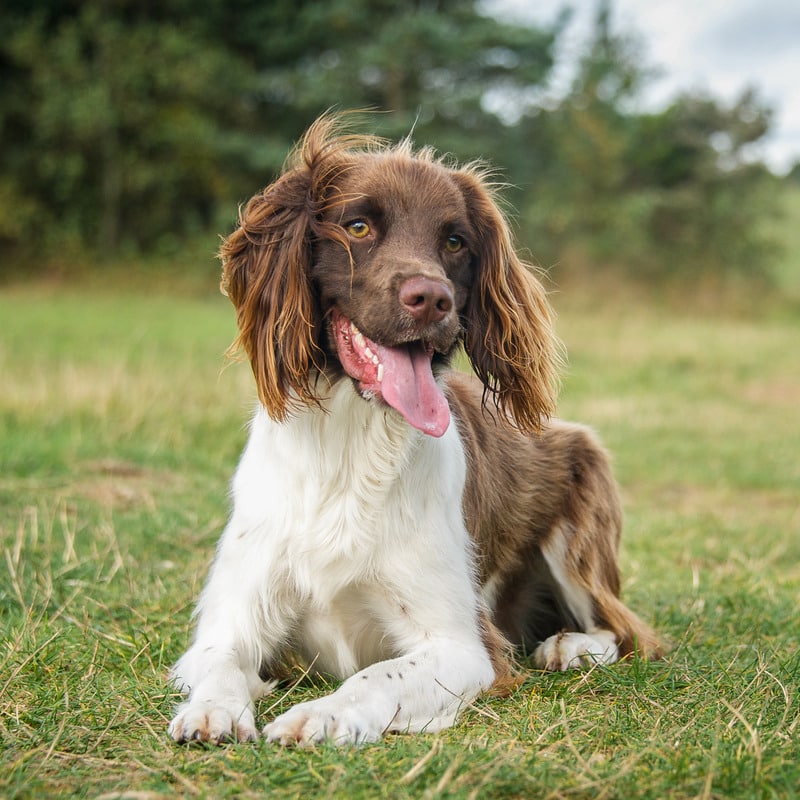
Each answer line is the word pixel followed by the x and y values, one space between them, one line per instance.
pixel 508 335
pixel 266 263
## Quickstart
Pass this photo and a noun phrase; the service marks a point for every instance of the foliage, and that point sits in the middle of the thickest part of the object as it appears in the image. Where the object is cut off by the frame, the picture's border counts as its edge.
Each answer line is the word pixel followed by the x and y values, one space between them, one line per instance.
pixel 113 493
pixel 783 229
pixel 132 126
pixel 692 171
pixel 111 128
pixel 429 64
pixel 667 192
pixel 134 123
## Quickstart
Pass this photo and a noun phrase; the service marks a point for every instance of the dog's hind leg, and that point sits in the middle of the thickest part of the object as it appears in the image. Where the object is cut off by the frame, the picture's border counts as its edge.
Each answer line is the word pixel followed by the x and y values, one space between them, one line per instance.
pixel 605 628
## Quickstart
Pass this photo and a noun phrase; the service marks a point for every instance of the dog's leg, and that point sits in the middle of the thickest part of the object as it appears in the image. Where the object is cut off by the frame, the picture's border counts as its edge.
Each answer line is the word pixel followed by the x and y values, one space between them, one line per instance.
pixel 227 667
pixel 606 628
pixel 591 643
pixel 219 706
pixel 573 650
pixel 222 682
pixel 422 691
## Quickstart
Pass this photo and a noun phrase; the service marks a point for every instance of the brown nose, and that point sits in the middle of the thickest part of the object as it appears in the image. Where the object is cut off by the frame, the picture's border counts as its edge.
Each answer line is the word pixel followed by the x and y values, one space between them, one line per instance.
pixel 427 300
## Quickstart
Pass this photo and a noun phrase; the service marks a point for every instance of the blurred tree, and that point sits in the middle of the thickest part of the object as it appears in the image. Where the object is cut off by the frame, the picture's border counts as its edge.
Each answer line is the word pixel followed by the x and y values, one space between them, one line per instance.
pixel 659 193
pixel 700 193
pixel 430 63
pixel 578 168
pixel 110 134
pixel 131 123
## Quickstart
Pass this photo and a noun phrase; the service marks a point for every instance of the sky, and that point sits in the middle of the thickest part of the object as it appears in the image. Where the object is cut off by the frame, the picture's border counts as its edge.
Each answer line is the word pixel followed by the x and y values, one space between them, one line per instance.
pixel 719 47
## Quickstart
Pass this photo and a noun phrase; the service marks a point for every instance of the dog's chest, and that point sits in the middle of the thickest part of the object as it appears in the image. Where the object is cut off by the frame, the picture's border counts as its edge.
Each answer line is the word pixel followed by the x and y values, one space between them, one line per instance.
pixel 360 502
pixel 340 497
pixel 345 632
pixel 346 521
pixel 332 488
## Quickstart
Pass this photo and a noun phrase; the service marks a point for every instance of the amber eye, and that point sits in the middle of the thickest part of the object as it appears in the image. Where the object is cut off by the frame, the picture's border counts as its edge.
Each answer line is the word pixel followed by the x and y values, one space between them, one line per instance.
pixel 453 244
pixel 358 229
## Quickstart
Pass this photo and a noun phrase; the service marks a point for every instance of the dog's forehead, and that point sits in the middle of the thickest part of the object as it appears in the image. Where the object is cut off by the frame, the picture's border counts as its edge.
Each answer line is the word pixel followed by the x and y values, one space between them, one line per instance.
pixel 406 184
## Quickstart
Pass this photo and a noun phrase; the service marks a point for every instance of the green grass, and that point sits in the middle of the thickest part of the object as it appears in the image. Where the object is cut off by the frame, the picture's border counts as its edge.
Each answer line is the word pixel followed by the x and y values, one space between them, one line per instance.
pixel 120 425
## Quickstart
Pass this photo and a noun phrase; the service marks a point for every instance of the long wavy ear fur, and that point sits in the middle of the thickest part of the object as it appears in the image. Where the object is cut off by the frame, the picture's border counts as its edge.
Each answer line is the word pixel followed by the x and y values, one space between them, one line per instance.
pixel 509 335
pixel 266 266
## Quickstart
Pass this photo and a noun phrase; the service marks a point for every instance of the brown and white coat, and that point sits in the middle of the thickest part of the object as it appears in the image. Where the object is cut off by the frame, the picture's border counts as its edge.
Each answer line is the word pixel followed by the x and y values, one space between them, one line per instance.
pixel 395 522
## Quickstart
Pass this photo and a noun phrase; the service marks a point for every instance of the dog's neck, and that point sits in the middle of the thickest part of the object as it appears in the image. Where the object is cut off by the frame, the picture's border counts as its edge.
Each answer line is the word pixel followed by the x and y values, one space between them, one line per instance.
pixel 348 429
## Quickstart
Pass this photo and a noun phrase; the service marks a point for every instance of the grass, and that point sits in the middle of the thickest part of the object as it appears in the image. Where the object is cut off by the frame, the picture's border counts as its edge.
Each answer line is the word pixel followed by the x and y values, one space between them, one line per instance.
pixel 119 428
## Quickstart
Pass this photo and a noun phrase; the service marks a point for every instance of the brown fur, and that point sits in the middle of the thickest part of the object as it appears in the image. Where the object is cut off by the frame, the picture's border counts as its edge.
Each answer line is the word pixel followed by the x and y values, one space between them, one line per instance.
pixel 507 330
pixel 291 261
pixel 520 489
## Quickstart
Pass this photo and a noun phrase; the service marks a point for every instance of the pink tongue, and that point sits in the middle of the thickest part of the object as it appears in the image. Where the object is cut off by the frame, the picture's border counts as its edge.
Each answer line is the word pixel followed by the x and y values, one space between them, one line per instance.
pixel 408 386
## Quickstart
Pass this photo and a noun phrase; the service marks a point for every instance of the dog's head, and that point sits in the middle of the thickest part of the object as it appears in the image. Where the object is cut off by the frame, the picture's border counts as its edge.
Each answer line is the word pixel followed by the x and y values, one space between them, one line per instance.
pixel 374 261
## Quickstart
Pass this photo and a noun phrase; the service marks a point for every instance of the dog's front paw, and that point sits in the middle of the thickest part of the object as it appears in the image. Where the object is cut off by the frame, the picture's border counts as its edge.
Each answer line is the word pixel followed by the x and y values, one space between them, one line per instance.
pixel 321 721
pixel 206 721
pixel 576 650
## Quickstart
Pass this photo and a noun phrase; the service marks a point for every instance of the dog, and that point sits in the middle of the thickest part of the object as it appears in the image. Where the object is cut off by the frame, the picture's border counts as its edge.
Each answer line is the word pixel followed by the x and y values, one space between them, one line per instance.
pixel 397 523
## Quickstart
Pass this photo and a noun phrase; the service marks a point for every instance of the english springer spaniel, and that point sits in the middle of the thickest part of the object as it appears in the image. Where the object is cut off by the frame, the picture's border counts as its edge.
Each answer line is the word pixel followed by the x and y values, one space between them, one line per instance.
pixel 396 522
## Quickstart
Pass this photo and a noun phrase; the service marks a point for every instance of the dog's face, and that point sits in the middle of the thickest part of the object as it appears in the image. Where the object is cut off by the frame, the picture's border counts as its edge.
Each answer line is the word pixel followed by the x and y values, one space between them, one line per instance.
pixel 394 283
pixel 373 262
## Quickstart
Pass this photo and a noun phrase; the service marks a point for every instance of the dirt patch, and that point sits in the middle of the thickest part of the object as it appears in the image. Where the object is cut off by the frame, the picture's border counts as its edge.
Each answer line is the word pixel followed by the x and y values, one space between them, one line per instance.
pixel 779 393
pixel 118 484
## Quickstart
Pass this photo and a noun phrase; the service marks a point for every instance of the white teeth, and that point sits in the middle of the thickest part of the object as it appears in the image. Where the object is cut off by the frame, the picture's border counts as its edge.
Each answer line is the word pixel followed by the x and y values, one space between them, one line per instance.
pixel 361 342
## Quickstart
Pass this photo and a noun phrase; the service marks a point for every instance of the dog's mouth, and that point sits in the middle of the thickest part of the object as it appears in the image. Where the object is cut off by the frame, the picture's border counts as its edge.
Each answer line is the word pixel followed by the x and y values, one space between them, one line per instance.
pixel 401 375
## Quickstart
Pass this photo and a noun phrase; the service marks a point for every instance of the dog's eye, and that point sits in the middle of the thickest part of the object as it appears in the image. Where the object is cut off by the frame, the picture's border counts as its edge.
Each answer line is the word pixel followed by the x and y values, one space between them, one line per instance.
pixel 358 229
pixel 453 244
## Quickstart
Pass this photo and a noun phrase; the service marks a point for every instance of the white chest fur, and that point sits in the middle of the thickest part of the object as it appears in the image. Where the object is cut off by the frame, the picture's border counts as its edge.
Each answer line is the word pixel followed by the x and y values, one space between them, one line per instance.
pixel 342 522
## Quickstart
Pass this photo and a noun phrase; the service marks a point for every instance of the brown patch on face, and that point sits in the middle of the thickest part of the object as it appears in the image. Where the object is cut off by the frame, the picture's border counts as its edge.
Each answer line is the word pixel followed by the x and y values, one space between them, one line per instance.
pixel 392 238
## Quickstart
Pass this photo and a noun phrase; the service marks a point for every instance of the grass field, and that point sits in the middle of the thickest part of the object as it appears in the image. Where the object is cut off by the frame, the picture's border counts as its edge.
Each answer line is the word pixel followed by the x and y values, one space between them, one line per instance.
pixel 120 425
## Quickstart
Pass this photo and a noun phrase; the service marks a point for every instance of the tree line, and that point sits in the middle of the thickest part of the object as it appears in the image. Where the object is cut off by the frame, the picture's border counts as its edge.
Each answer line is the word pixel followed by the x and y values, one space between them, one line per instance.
pixel 134 126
